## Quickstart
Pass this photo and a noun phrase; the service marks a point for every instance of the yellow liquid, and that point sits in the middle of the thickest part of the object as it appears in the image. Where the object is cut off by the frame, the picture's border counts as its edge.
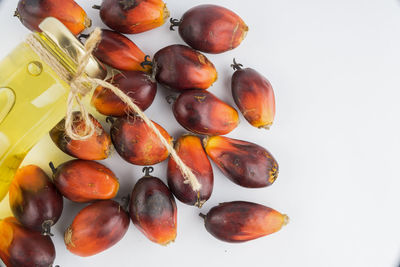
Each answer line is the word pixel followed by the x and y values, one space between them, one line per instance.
pixel 41 154
pixel 40 97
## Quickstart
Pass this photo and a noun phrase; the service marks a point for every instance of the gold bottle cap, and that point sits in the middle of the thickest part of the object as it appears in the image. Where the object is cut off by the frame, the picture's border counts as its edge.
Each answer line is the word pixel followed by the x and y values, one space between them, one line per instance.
pixel 64 41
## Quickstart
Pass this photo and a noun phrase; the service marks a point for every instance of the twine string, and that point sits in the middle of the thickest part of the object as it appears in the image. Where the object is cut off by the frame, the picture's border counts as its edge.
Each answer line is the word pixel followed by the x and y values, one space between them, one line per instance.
pixel 79 88
pixel 81 85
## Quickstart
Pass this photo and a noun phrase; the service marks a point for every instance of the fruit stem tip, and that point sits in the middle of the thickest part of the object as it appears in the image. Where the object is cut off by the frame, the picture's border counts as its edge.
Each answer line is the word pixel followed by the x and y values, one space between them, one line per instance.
pixel 170 99
pixel 52 167
pixel 83 36
pixel 87 23
pixel 146 62
pixel 235 65
pixel 286 220
pixel 174 23
pixel 110 120
pixel 266 126
pixel 147 171
pixel 46 227
pixel 16 14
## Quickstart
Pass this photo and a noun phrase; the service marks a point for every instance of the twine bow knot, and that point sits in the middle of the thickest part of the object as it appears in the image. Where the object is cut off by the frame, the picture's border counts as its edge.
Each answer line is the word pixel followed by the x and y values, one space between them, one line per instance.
pixel 80 87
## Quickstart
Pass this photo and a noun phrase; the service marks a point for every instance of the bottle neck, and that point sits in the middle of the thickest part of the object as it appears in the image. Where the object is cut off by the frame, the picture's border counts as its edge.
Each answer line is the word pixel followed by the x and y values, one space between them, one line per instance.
pixel 63 57
pixel 66 49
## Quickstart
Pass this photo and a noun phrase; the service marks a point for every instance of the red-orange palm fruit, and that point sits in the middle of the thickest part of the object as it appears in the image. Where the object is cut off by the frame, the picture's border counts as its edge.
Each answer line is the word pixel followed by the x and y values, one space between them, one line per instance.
pixel 97 147
pixel 244 163
pixel 96 228
pixel 180 68
pixel 20 247
pixel 254 96
pixel 191 151
pixel 241 221
pixel 33 12
pixel 201 112
pixel 133 16
pixel 153 209
pixel 139 86
pixel 118 51
pixel 211 28
pixel 136 142
pixel 34 200
pixel 85 181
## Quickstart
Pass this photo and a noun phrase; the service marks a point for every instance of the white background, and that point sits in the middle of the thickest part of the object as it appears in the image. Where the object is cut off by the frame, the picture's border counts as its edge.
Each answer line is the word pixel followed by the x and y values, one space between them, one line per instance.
pixel 335 69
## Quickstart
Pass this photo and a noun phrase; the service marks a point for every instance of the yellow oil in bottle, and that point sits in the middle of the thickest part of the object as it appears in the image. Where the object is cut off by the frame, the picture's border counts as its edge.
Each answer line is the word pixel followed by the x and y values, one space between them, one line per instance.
pixel 32 99
pixel 33 96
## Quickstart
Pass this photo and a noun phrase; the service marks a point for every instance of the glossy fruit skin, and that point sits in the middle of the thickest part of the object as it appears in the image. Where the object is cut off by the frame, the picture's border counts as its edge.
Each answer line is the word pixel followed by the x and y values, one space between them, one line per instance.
pixel 141 88
pixel 133 16
pixel 136 143
pixel 190 150
pixel 201 112
pixel 85 181
pixel 96 228
pixel 181 68
pixel 244 163
pixel 34 200
pixel 212 29
pixel 254 96
pixel 241 221
pixel 97 147
pixel 119 52
pixel 153 210
pixel 33 12
pixel 21 247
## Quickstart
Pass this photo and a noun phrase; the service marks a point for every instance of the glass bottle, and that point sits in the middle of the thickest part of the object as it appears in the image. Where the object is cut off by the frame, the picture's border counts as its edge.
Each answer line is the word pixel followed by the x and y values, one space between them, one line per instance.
pixel 32 95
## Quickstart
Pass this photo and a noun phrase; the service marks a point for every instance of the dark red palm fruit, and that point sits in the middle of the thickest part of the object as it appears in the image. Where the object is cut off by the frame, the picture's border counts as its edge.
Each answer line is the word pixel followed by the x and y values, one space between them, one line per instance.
pixel 254 96
pixel 241 221
pixel 34 200
pixel 190 150
pixel 97 147
pixel 139 86
pixel 136 142
pixel 211 28
pixel 180 68
pixel 85 181
pixel 244 163
pixel 153 209
pixel 96 228
pixel 119 52
pixel 201 112
pixel 33 12
pixel 133 16
pixel 21 247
